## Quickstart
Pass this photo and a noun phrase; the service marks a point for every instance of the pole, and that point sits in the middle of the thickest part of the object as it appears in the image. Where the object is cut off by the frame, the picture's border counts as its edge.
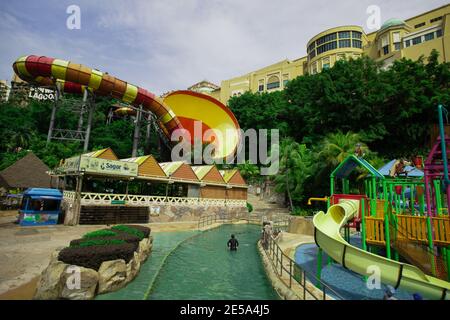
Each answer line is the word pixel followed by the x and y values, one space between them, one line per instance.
pixel 319 267
pixel 386 235
pixel 331 185
pixel 136 132
pixel 91 105
pixel 147 134
pixel 83 107
pixel 363 225
pixel 53 116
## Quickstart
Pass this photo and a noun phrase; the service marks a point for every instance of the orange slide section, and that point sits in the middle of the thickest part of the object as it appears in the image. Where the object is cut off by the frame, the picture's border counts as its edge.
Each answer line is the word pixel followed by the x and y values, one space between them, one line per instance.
pixel 178 111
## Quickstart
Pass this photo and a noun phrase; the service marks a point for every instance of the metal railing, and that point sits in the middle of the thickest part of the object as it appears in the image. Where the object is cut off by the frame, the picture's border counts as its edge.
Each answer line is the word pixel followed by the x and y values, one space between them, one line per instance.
pixel 296 275
pixel 209 219
pixel 90 198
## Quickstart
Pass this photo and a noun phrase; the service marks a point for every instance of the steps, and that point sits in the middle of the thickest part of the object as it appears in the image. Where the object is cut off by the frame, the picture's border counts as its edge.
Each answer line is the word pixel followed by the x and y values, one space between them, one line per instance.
pixel 263 208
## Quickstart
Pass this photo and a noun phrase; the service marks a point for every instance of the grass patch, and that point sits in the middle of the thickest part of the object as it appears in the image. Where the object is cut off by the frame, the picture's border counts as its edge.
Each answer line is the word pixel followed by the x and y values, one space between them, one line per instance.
pixel 98 242
pixel 129 230
pixel 99 234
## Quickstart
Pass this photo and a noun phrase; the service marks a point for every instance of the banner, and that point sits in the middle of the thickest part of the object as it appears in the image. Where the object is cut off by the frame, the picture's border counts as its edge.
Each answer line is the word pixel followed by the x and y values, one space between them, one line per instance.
pixel 111 167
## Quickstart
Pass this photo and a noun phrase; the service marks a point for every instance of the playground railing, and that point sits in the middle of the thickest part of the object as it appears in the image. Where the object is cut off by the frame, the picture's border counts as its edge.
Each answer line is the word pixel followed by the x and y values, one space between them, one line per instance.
pixel 294 276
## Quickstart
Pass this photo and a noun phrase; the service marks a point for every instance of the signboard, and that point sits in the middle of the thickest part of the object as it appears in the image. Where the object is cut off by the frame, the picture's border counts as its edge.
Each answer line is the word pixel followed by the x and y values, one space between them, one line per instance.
pixel 41 94
pixel 118 202
pixel 105 166
pixel 70 165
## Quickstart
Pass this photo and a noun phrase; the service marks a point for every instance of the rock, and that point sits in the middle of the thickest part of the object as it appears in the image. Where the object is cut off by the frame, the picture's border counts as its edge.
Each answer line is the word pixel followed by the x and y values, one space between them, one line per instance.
pixel 55 254
pixel 144 249
pixel 79 284
pixel 112 275
pixel 133 267
pixel 50 284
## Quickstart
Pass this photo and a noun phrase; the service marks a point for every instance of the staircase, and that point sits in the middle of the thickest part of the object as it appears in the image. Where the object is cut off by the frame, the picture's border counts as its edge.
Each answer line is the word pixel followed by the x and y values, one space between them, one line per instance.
pixel 262 208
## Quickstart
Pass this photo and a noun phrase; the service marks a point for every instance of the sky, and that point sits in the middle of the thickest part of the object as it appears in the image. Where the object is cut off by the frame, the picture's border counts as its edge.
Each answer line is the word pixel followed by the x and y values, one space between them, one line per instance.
pixel 164 45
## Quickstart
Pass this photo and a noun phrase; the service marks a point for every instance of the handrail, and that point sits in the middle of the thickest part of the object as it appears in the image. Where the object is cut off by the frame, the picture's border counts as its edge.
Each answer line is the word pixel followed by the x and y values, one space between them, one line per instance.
pixel 88 198
pixel 279 261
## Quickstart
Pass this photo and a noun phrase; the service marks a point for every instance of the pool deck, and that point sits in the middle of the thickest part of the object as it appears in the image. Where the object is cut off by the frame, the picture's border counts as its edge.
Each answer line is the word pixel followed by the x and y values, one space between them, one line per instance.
pixel 26 251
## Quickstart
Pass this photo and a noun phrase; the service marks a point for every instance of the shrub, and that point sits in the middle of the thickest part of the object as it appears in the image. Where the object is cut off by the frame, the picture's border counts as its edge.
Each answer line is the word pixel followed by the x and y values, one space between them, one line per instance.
pixel 97 242
pixel 120 235
pixel 145 230
pixel 301 212
pixel 100 234
pixel 249 207
pixel 92 257
pixel 129 230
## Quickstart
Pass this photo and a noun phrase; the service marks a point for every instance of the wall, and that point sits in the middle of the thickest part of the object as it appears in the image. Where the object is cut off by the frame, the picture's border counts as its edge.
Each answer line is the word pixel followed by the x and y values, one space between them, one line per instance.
pixel 171 213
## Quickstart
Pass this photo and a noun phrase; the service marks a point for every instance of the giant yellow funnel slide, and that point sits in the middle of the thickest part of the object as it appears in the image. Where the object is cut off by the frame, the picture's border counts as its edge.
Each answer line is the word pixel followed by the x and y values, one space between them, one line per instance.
pixel 397 274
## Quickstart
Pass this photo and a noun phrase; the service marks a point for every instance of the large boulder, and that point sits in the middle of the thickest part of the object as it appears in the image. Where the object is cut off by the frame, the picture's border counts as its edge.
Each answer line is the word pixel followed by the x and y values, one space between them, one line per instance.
pixel 133 267
pixel 84 289
pixel 50 284
pixel 112 275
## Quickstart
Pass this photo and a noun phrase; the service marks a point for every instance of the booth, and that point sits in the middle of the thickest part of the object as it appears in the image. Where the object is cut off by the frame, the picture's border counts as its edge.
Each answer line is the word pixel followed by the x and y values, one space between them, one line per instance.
pixel 40 206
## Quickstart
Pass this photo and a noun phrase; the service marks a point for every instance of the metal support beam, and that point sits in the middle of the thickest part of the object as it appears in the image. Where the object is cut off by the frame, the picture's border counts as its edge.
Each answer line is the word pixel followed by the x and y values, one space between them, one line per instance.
pixel 53 116
pixel 136 134
pixel 91 106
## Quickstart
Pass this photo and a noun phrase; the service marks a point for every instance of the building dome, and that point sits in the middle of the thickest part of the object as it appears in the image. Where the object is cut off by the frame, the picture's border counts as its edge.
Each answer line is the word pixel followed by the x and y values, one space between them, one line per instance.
pixel 392 23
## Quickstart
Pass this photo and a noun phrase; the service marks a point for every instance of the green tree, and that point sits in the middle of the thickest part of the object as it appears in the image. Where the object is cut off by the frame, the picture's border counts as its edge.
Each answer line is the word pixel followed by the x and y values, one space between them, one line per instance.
pixel 296 166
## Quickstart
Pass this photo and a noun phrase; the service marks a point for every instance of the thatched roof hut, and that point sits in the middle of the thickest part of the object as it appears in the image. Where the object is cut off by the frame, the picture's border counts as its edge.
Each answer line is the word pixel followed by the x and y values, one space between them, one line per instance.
pixel 28 172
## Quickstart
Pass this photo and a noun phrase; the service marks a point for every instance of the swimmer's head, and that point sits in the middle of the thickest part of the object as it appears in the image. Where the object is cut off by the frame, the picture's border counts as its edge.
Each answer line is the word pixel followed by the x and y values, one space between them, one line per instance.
pixel 232 236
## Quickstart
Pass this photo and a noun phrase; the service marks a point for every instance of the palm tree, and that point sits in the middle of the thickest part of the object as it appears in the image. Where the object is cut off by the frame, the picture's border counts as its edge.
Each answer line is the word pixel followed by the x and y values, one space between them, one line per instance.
pixel 335 147
pixel 296 166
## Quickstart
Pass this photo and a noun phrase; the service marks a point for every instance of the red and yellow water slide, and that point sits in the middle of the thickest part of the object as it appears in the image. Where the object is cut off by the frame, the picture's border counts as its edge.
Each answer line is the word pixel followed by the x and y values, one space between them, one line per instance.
pixel 179 110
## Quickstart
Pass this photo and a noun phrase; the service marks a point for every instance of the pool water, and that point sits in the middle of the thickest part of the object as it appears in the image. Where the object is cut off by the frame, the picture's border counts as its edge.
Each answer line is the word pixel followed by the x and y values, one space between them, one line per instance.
pixel 348 284
pixel 202 268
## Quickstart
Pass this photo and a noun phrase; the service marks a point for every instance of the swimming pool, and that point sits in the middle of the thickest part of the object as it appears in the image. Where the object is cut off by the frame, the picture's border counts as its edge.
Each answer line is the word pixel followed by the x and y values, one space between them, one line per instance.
pixel 202 268
pixel 348 284
pixel 197 265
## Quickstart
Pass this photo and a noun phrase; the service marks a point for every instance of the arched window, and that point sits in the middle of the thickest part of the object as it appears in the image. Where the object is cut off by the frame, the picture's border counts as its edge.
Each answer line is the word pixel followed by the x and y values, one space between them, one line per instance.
pixel 273 82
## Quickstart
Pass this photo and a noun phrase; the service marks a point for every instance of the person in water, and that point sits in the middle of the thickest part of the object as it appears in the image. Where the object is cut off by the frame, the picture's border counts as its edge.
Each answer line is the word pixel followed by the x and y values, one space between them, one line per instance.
pixel 233 243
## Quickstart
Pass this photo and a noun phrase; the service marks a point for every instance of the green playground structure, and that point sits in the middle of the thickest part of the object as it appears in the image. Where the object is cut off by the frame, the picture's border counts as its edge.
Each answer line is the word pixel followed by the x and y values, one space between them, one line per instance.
pixel 406 216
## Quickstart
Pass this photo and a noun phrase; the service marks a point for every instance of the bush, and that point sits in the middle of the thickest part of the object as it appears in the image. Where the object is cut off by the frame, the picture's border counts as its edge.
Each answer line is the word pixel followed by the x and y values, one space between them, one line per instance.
pixel 249 207
pixel 130 230
pixel 301 212
pixel 100 234
pixel 145 230
pixel 97 242
pixel 92 257
pixel 120 235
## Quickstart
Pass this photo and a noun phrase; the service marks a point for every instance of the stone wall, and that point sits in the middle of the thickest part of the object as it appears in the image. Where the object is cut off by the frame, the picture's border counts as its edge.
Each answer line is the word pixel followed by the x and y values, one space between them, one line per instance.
pixel 175 213
pixel 166 212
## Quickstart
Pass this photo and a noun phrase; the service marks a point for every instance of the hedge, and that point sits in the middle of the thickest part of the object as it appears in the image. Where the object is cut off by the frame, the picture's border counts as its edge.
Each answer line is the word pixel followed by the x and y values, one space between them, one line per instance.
pixel 125 237
pixel 92 257
pixel 129 229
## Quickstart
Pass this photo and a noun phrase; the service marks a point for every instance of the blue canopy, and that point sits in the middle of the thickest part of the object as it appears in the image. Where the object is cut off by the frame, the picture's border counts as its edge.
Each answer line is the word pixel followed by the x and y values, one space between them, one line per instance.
pixel 413 172
pixel 43 192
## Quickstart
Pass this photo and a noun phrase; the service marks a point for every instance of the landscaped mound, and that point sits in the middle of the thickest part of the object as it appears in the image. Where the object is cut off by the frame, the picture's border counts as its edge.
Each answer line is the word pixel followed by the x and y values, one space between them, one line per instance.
pixel 118 242
pixel 105 261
